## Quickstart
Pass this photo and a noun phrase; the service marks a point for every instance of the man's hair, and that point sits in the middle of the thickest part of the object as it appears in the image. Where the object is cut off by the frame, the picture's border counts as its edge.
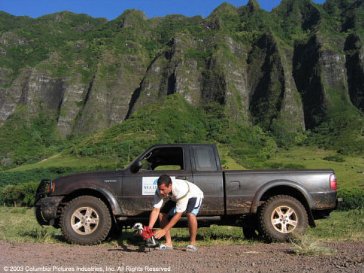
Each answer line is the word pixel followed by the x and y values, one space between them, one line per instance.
pixel 164 179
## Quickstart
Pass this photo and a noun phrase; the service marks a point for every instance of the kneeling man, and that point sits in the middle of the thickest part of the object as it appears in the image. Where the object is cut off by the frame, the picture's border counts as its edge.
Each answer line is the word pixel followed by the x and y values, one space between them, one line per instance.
pixel 173 198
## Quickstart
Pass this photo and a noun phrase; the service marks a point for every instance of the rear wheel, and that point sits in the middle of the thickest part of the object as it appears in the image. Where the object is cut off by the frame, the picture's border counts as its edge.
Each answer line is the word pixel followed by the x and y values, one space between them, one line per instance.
pixel 85 220
pixel 281 217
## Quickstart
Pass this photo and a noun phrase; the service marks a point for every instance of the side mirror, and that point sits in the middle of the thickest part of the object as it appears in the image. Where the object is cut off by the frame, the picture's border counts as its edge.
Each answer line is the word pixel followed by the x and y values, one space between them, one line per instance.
pixel 136 166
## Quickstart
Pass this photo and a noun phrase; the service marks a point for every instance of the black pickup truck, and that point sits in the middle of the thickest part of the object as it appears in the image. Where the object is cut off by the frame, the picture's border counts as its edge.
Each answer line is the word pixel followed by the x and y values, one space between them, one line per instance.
pixel 272 204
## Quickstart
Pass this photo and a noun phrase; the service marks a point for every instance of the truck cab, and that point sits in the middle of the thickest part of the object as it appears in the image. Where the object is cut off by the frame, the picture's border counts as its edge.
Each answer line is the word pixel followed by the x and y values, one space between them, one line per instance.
pixel 199 164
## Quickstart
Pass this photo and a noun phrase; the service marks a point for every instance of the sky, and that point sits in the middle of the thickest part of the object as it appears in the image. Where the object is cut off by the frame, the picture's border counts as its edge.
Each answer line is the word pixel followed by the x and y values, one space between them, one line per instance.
pixel 111 9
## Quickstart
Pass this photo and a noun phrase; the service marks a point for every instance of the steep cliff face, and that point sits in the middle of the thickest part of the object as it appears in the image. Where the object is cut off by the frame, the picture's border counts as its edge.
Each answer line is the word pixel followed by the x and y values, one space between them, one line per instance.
pixel 274 96
pixel 10 96
pixel 107 98
pixel 232 60
pixel 298 15
pixel 186 77
pixel 334 79
pixel 355 70
pixel 74 96
pixel 42 94
pixel 178 69
pixel 322 77
pixel 286 71
pixel 308 80
pixel 350 13
pixel 37 91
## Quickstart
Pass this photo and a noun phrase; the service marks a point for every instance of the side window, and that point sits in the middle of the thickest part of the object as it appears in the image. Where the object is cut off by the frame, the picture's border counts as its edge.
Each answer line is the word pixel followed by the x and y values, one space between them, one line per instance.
pixel 163 159
pixel 204 158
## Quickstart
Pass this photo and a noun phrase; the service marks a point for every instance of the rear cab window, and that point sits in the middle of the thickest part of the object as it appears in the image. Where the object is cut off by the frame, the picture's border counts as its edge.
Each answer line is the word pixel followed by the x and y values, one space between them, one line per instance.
pixel 204 158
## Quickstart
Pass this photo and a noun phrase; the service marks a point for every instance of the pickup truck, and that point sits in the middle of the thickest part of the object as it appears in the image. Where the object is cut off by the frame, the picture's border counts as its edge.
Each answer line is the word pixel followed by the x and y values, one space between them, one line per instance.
pixel 269 204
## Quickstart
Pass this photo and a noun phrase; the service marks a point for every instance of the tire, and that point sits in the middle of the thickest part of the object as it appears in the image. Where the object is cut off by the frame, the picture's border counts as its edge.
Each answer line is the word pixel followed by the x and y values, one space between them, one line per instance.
pixel 85 220
pixel 281 217
pixel 39 216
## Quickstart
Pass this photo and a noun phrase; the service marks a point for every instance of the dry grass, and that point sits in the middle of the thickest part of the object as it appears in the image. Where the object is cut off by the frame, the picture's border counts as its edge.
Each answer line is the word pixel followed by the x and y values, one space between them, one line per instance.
pixel 307 245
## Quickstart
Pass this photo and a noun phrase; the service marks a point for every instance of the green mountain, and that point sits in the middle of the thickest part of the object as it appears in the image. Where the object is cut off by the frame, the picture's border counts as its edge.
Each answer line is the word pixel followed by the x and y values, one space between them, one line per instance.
pixel 244 77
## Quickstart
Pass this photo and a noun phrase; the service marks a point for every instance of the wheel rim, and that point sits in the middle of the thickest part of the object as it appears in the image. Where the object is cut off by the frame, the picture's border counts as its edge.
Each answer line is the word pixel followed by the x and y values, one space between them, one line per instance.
pixel 284 219
pixel 85 220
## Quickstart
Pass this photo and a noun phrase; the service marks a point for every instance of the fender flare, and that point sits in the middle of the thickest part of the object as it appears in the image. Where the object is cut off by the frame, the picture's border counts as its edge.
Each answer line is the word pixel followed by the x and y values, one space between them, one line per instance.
pixel 278 183
pixel 115 208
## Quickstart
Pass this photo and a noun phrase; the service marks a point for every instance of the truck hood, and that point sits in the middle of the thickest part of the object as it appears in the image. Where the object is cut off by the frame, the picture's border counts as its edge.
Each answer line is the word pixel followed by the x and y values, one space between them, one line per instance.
pixel 88 180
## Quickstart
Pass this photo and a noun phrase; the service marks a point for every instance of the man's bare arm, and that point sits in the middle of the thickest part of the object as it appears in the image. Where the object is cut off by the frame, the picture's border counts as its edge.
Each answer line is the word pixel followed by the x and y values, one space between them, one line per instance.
pixel 153 217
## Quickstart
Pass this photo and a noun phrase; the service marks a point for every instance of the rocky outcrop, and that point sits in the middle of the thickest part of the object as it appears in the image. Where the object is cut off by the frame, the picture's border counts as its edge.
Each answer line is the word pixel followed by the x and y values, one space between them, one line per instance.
pixel 10 97
pixel 307 76
pixel 75 93
pixel 253 6
pixel 298 15
pixel 108 95
pixel 173 71
pixel 5 75
pixel 8 39
pixel 349 11
pixel 42 93
pixel 233 62
pixel 186 77
pixel 329 81
pixel 274 96
pixel 36 91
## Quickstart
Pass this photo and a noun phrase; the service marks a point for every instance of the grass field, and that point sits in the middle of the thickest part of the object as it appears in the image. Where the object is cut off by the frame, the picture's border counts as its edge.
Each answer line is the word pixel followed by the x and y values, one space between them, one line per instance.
pixel 19 225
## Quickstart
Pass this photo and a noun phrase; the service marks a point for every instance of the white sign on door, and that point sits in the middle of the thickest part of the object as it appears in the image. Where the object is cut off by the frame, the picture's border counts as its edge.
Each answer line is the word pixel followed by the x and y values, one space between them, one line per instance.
pixel 149 185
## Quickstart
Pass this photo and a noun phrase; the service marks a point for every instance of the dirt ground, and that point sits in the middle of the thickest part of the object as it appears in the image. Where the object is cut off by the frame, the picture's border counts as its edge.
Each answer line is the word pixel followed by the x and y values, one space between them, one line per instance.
pixel 259 257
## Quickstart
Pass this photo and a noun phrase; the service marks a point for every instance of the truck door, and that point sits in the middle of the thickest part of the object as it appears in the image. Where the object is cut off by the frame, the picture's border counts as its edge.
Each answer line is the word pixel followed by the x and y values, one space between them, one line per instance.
pixel 138 188
pixel 208 176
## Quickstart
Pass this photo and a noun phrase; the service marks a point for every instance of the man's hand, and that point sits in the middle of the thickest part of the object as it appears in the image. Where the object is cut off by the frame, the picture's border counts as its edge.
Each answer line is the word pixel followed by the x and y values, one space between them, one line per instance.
pixel 147 233
pixel 160 233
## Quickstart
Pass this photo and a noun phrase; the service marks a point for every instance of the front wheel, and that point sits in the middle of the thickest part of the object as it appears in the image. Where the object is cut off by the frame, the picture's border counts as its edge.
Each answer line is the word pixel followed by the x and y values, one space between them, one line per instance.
pixel 85 220
pixel 281 217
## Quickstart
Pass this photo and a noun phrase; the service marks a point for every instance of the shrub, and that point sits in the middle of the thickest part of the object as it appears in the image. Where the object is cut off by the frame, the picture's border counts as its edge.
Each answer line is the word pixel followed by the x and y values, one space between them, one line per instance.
pixel 334 158
pixel 34 175
pixel 278 165
pixel 19 195
pixel 352 199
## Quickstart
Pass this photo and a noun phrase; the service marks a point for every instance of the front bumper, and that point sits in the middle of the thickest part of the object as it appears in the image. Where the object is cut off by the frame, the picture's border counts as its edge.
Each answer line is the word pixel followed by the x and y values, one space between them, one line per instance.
pixel 46 210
